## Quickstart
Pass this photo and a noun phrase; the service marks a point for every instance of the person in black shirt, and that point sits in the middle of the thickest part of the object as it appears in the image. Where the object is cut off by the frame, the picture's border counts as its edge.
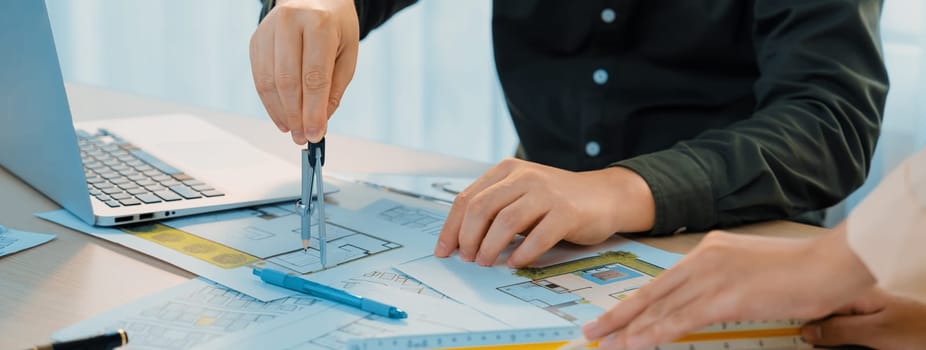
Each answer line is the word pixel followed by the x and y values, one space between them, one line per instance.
pixel 633 115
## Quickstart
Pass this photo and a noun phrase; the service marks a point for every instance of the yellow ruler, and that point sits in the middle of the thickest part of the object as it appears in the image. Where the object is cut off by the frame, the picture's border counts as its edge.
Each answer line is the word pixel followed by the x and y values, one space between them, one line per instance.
pixel 758 338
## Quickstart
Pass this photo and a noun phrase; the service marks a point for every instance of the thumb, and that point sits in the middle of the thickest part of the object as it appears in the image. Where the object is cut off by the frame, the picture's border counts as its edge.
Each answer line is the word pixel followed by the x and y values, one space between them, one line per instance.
pixel 839 330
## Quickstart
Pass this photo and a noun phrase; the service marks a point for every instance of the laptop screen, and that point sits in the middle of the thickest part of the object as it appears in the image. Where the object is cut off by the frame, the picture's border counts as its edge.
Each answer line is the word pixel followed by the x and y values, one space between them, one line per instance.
pixel 37 139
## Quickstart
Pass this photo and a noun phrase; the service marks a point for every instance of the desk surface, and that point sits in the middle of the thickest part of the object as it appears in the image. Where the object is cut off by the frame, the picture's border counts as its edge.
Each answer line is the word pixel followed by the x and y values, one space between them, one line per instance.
pixel 77 276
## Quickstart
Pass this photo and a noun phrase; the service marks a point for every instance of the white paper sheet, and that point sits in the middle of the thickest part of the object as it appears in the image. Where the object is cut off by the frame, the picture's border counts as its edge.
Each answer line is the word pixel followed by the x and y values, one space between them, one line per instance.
pixel 12 241
pixel 440 189
pixel 413 218
pixel 192 313
pixel 400 241
pixel 201 313
pixel 332 328
pixel 568 298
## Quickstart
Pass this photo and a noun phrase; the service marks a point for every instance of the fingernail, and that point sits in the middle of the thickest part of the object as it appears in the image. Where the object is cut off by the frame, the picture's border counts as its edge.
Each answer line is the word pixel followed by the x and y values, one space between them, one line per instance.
pixel 608 342
pixel 466 257
pixel 441 250
pixel 483 261
pixel 812 333
pixel 313 135
pixel 298 136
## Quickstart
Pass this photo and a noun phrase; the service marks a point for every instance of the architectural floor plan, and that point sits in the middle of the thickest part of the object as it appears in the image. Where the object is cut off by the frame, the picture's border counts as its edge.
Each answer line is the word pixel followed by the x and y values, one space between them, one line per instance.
pixel 271 233
pixel 568 286
pixel 224 247
pixel 191 314
pixel 204 314
pixel 580 290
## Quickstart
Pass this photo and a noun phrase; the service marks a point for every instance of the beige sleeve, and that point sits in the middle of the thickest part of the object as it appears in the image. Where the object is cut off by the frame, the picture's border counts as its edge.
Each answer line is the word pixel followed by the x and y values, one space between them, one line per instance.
pixel 888 229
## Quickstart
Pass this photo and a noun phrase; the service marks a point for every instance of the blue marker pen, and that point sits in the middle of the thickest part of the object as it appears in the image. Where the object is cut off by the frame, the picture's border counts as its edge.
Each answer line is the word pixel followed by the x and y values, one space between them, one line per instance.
pixel 299 284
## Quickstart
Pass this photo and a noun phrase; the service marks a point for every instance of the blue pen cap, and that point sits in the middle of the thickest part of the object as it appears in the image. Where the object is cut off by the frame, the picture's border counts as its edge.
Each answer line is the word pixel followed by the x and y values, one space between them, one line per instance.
pixel 374 306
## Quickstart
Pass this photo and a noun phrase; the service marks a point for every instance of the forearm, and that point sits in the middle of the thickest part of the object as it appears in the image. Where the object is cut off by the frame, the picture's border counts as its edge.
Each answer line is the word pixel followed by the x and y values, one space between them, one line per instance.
pixel 819 102
pixel 630 197
pixel 785 160
pixel 886 229
pixel 831 259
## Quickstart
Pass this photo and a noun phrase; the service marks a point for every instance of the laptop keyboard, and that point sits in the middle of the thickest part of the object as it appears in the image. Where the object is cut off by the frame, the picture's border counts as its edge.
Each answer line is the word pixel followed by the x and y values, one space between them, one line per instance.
pixel 120 174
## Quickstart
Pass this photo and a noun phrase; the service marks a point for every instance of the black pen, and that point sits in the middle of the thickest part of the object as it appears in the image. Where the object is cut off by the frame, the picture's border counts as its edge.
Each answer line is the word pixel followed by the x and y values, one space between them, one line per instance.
pixel 107 341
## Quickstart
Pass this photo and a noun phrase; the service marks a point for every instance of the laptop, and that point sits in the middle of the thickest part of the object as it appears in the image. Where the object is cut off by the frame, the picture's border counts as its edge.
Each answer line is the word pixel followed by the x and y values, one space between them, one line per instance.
pixel 122 171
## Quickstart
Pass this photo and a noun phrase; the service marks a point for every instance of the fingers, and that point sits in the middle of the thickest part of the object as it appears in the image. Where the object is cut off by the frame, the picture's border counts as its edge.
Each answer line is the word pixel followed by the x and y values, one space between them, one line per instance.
pixel 672 292
pixel 553 227
pixel 627 310
pixel 871 302
pixel 262 60
pixel 448 240
pixel 650 327
pixel 318 59
pixel 287 71
pixel 483 211
pixel 840 330
pixel 303 57
pixel 676 324
pixel 517 217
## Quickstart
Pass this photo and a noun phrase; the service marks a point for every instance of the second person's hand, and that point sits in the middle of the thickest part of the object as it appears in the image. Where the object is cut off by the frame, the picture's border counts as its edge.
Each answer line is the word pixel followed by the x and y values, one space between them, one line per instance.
pixel 303 56
pixel 730 277
pixel 547 205
pixel 878 319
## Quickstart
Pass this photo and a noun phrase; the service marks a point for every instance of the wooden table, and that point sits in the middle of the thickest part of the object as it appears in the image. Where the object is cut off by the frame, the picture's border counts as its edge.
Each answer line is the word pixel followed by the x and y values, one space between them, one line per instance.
pixel 77 276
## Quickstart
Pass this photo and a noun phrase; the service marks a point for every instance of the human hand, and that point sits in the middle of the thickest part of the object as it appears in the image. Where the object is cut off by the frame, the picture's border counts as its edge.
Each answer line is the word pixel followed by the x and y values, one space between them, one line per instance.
pixel 729 278
pixel 878 320
pixel 303 55
pixel 548 205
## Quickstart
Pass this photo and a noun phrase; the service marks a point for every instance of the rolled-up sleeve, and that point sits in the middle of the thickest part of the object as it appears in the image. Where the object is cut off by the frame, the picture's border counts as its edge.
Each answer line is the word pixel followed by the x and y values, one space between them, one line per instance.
pixel 808 144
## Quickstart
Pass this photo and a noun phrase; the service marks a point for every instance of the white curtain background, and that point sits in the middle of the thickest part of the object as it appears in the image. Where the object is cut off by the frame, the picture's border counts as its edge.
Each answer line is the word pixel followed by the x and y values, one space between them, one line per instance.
pixel 425 80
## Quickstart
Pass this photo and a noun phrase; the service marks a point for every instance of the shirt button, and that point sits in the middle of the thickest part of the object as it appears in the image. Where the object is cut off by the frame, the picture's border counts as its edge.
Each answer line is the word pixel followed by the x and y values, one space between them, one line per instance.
pixel 608 15
pixel 600 76
pixel 592 149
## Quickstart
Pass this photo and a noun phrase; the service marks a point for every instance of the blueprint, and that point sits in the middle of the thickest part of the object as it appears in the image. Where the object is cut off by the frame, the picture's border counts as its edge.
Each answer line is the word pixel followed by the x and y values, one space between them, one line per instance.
pixel 573 284
pixel 193 313
pixel 204 314
pixel 441 189
pixel 390 278
pixel 412 218
pixel 340 324
pixel 268 233
pixel 224 247
pixel 12 241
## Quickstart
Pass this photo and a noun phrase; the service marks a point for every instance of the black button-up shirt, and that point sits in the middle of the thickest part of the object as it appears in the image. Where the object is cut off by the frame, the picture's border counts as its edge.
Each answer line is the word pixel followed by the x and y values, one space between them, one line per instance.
pixel 733 111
